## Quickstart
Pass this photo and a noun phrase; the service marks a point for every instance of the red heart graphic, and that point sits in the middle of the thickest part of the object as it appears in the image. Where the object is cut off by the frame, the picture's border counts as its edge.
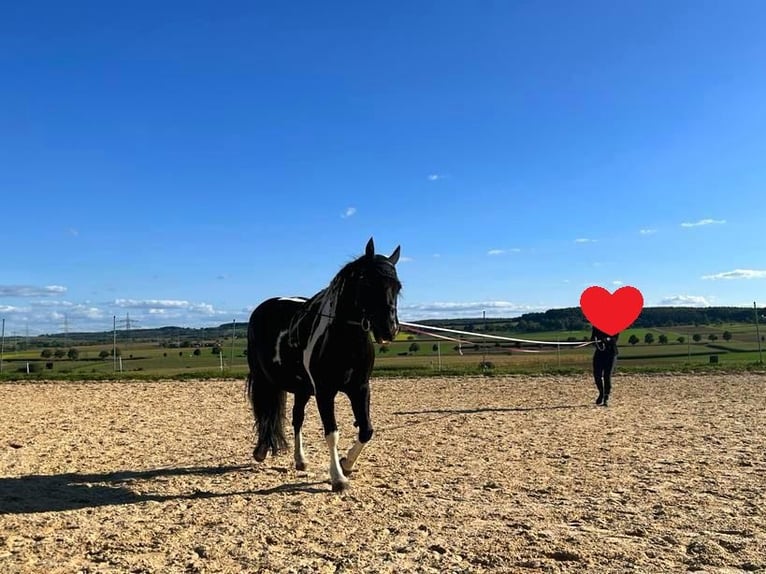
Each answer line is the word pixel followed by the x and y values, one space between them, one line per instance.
pixel 611 313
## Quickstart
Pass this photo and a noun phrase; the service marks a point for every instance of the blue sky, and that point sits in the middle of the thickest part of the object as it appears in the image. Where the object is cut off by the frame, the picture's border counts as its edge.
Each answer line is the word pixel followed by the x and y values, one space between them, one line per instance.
pixel 182 161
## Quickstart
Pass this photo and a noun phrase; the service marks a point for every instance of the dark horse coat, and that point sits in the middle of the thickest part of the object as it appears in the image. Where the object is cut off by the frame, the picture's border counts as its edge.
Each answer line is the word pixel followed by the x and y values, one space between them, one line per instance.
pixel 319 347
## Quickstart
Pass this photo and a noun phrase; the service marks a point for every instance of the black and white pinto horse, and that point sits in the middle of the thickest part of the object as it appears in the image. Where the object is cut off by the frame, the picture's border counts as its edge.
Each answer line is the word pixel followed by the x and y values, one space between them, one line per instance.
pixel 320 346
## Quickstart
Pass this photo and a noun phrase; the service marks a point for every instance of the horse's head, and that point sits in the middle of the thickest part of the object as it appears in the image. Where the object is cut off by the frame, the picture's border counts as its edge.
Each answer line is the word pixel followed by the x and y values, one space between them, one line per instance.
pixel 378 292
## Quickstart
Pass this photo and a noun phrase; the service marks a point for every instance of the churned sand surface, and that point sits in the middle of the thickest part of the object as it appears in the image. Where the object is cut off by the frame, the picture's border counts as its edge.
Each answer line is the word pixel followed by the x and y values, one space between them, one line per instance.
pixel 496 474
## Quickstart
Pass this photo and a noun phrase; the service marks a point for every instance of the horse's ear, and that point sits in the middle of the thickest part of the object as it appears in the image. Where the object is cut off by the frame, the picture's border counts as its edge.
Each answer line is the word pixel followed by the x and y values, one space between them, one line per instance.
pixel 394 257
pixel 369 251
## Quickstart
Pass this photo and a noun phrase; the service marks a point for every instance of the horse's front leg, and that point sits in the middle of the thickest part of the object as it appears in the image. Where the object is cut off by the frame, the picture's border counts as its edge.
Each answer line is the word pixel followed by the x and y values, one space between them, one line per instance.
pixel 326 405
pixel 299 413
pixel 360 405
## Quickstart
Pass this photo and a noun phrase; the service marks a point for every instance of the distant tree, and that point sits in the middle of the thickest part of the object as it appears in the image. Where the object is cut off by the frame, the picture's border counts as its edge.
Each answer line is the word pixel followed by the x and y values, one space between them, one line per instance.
pixel 103 354
pixel 435 347
pixel 648 338
pixel 383 349
pixel 180 353
pixel 663 339
pixel 59 353
pixel 216 350
pixel 727 336
pixel 197 352
pixel 414 347
pixel 73 354
pixel 164 354
pixel 46 354
pixel 633 339
pixel 712 337
pixel 696 337
pixel 681 339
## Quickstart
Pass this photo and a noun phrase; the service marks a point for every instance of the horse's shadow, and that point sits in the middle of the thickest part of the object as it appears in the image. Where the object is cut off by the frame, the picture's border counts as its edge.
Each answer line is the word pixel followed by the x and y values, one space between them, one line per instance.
pixel 478 410
pixel 73 491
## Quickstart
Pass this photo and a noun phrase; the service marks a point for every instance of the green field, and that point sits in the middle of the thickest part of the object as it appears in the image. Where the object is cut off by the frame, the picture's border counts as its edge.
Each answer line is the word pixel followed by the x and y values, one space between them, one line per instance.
pixel 153 359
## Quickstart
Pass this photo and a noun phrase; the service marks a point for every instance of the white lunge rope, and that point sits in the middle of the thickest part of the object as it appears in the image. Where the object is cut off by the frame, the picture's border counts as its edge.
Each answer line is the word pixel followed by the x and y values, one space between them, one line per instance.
pixel 497 337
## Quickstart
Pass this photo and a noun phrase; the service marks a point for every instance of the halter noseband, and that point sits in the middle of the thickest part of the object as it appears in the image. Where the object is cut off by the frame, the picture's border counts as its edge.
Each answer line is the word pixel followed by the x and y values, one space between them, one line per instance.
pixel 364 323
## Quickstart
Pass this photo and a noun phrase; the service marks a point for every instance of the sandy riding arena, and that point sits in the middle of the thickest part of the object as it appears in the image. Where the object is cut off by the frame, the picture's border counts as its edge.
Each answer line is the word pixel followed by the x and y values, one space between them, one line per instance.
pixel 498 474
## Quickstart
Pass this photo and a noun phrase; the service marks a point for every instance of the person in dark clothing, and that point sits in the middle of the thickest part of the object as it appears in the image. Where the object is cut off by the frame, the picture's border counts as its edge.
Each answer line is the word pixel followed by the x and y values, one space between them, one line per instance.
pixel 604 360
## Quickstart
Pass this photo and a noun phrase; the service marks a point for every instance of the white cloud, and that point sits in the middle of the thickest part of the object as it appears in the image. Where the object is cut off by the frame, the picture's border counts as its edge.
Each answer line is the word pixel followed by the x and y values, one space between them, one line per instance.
pixel 53 315
pixel 685 301
pixel 739 274
pixel 435 177
pixel 405 259
pixel 617 282
pixel 350 211
pixel 647 231
pixel 702 222
pixel 584 240
pixel 503 251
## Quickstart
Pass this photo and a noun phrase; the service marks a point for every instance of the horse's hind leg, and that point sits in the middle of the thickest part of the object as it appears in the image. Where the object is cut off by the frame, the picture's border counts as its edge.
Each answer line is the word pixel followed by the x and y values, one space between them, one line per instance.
pixel 299 413
pixel 360 405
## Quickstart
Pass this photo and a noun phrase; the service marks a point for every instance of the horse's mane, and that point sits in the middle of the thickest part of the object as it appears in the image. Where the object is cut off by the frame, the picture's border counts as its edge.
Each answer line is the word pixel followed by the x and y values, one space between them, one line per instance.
pixel 383 267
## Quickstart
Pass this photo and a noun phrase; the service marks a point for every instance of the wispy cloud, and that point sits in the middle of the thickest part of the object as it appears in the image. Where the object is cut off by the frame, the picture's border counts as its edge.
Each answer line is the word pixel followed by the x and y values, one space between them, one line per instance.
pixel 31 290
pixel 405 259
pixel 702 222
pixel 350 211
pixel 435 176
pixel 73 232
pixel 648 231
pixel 618 283
pixel 739 274
pixel 503 251
pixel 684 301
pixel 584 240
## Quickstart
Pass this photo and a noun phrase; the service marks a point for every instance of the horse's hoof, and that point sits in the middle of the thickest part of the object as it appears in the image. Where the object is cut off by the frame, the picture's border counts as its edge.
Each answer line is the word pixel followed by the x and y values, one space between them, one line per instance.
pixel 340 486
pixel 300 466
pixel 346 471
pixel 259 454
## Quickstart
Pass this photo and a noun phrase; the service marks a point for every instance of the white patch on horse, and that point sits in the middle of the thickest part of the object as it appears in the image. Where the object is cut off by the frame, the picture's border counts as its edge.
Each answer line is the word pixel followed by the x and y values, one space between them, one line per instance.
pixel 298 454
pixel 353 454
pixel 339 480
pixel 328 302
pixel 277 357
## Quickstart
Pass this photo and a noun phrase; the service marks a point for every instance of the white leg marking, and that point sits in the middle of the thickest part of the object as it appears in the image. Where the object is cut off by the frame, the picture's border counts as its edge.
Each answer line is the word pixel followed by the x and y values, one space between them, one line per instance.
pixel 353 454
pixel 299 455
pixel 339 480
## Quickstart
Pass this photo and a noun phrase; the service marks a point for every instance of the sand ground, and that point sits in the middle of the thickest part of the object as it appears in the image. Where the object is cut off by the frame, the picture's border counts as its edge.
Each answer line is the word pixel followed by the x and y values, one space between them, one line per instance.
pixel 498 474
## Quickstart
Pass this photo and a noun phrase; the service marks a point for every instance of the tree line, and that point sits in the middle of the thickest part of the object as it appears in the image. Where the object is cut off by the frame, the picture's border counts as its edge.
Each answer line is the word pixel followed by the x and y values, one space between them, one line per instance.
pixel 572 319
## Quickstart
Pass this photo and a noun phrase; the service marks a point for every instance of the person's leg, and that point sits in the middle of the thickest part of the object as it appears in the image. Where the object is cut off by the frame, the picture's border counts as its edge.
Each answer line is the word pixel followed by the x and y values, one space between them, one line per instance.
pixel 608 370
pixel 598 376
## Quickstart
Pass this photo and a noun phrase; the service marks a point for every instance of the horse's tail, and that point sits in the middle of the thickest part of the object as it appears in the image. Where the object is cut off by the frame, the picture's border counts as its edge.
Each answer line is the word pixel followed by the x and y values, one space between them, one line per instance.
pixel 268 404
